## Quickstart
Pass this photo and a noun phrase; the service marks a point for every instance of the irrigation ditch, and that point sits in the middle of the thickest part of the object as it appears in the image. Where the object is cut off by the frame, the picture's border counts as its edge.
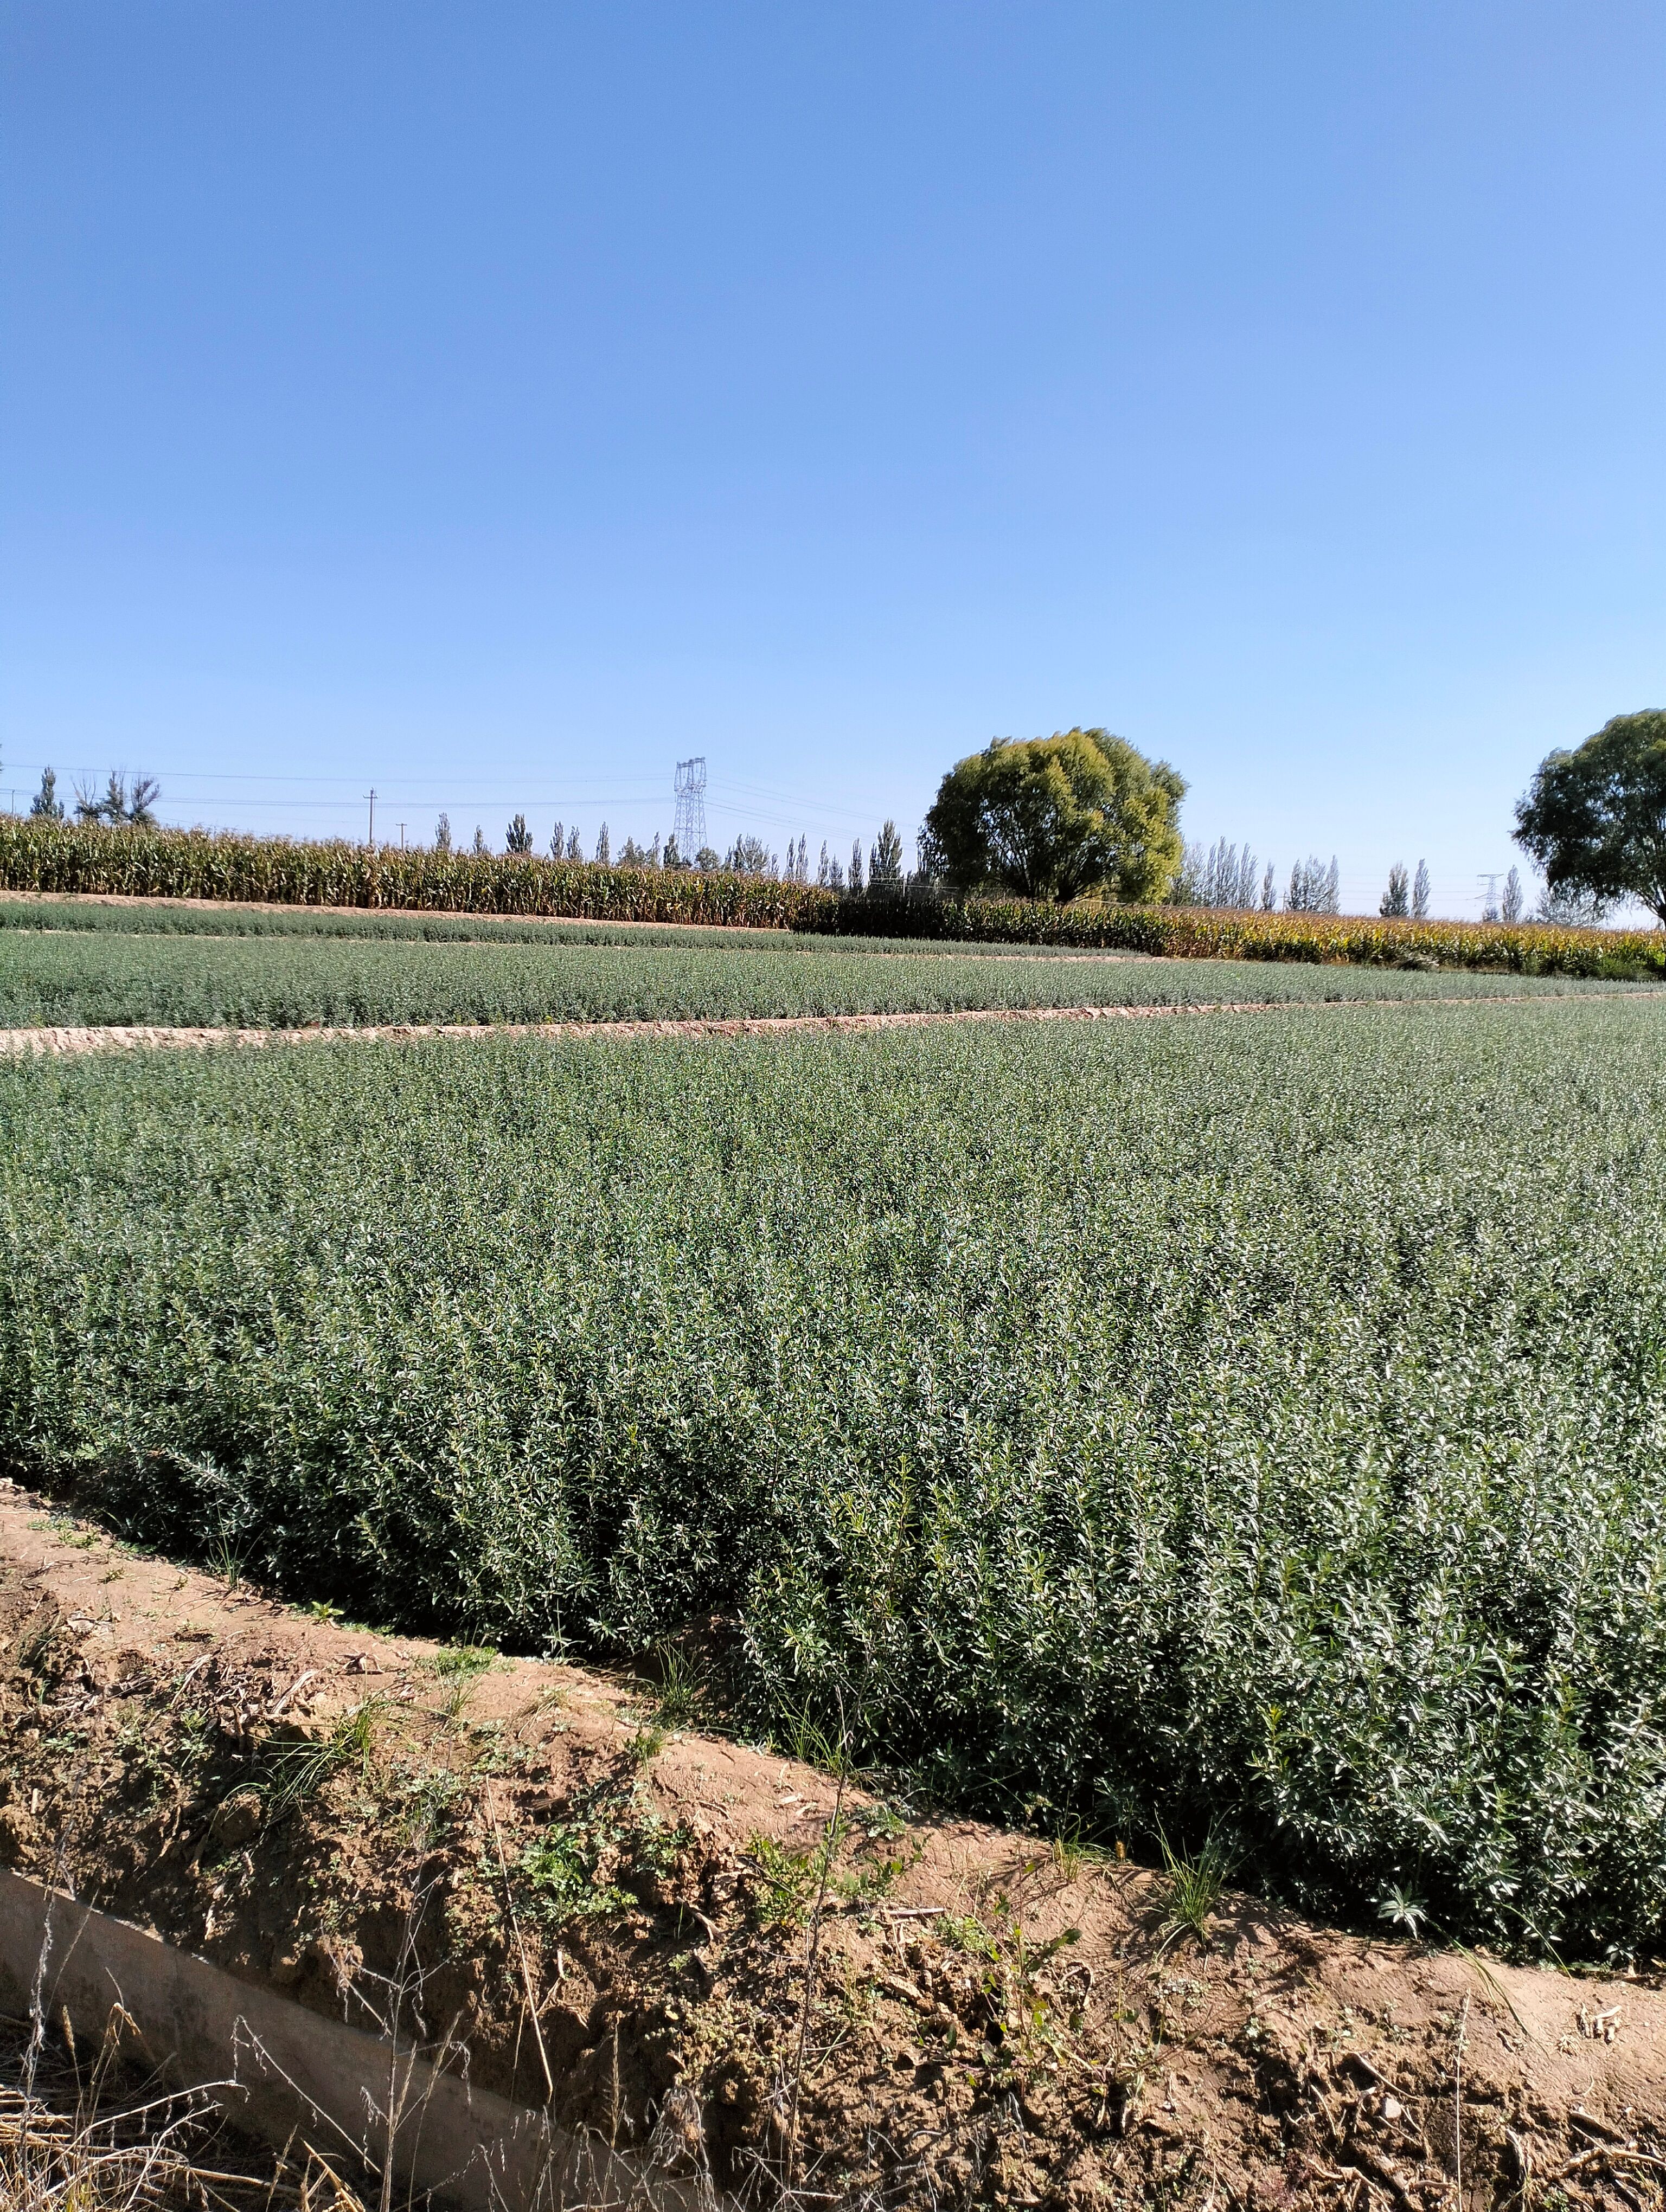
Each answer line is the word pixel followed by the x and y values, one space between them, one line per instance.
pixel 275 2069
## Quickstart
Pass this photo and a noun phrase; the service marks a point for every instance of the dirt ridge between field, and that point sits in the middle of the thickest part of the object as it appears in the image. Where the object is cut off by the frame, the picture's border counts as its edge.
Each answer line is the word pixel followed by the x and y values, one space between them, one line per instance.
pixel 701 1948
pixel 139 1036
pixel 70 1040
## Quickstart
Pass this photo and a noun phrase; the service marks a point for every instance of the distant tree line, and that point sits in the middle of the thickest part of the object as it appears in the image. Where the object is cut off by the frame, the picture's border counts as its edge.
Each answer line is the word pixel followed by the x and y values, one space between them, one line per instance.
pixel 120 802
pixel 747 856
pixel 1230 876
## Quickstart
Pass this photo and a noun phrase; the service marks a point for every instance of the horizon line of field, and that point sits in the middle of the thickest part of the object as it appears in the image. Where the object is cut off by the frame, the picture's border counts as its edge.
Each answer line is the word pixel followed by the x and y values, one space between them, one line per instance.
pixel 70 1041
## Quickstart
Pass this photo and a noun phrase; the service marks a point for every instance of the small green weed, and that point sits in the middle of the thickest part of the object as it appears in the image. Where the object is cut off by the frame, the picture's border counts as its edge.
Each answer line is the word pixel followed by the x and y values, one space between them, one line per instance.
pixel 425 1796
pixel 461 1667
pixel 1400 1909
pixel 804 1738
pixel 683 1688
pixel 581 1867
pixel 492 1755
pixel 1072 1849
pixel 147 1771
pixel 35 1643
pixel 462 1660
pixel 781 1882
pixel 297 1770
pixel 1195 1886
pixel 196 1738
pixel 880 1823
pixel 865 1883
pixel 965 1932
pixel 563 1867
pixel 226 1565
pixel 657 1845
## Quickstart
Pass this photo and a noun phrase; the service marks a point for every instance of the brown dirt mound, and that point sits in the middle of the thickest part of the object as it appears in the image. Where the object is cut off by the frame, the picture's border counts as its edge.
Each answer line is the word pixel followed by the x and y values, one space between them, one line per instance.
pixel 668 1935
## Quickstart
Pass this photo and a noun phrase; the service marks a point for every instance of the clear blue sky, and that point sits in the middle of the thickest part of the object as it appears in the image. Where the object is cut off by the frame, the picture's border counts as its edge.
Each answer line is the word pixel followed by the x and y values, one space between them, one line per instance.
pixel 496 403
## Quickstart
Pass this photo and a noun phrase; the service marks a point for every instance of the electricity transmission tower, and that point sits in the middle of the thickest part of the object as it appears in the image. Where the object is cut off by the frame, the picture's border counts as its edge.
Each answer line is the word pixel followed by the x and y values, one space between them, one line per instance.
pixel 690 827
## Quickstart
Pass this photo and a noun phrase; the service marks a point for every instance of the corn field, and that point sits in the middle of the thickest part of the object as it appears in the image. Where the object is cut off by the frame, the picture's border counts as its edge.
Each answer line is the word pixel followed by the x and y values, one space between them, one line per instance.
pixel 74 857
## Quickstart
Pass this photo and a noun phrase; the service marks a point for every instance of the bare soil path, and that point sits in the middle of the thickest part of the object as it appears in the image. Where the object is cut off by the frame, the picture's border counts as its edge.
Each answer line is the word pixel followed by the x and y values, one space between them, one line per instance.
pixel 141 1037
pixel 70 1041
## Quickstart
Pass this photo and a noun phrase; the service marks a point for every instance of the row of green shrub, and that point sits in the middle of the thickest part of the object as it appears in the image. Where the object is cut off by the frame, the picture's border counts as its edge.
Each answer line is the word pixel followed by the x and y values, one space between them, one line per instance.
pixel 1224 933
pixel 67 977
pixel 1160 1425
pixel 42 856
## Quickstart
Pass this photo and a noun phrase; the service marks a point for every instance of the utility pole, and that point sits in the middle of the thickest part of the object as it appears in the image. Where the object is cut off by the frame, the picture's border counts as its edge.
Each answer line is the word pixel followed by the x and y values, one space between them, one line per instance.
pixel 689 790
pixel 402 837
pixel 372 817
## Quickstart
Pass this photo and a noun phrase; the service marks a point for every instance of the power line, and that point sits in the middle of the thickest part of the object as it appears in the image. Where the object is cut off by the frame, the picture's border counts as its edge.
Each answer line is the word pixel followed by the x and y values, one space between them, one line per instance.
pixel 804 806
pixel 250 775
pixel 191 789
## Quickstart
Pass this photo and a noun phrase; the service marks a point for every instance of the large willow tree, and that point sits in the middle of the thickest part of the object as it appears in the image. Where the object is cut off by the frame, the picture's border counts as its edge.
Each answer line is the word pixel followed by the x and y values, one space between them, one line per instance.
pixel 1596 817
pixel 1051 817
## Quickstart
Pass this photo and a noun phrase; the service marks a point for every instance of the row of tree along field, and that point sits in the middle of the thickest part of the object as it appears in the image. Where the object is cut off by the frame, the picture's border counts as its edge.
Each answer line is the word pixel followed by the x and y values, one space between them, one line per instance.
pixel 74 858
pixel 1083 813
pixel 1226 875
